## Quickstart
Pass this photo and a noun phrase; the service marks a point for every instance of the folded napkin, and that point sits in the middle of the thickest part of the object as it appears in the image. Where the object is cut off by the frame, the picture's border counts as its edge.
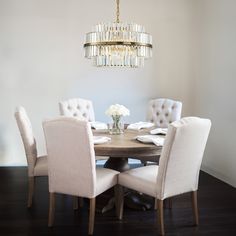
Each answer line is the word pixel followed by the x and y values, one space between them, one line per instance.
pixel 98 125
pixel 100 139
pixel 159 131
pixel 140 125
pixel 158 141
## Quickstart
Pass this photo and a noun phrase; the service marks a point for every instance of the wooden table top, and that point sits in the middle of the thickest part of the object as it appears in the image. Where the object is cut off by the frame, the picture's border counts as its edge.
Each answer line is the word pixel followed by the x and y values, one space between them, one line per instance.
pixel 125 145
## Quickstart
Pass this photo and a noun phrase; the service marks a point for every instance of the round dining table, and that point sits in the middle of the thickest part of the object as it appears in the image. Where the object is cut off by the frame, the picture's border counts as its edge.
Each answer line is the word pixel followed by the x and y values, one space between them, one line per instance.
pixel 118 150
pixel 124 146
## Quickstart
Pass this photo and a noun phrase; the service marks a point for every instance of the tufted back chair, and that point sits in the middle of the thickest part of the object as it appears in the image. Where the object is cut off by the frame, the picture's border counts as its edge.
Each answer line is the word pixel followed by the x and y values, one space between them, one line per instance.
pixel 37 165
pixel 74 145
pixel 77 107
pixel 163 111
pixel 178 170
pixel 181 156
pixel 27 136
pixel 71 164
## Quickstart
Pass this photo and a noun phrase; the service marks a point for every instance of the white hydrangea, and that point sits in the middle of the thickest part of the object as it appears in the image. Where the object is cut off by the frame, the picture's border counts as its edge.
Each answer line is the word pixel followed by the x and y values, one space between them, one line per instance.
pixel 117 110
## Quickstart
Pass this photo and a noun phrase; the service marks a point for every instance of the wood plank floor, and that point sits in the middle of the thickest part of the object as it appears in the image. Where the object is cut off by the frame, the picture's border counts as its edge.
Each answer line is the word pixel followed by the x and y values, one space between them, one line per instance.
pixel 217 210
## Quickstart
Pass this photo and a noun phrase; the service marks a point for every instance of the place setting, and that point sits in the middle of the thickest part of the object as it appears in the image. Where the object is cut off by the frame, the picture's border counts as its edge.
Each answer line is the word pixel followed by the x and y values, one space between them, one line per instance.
pixel 100 126
pixel 155 136
pixel 100 139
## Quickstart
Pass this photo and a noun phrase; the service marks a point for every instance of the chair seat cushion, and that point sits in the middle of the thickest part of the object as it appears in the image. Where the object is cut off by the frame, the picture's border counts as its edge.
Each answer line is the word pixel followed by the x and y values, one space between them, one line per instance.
pixel 106 178
pixel 143 179
pixel 41 166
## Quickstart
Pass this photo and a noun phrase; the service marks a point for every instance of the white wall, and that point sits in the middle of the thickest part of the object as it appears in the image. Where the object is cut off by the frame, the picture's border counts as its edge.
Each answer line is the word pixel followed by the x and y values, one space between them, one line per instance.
pixel 41 61
pixel 215 83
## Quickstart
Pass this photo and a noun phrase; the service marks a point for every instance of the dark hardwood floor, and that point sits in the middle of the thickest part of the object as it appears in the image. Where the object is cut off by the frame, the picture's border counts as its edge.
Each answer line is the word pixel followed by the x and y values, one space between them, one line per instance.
pixel 217 211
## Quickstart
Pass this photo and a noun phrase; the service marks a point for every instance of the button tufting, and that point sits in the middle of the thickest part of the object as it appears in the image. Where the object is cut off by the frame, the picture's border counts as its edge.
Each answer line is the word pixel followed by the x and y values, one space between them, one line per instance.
pixel 162 106
pixel 84 115
pixel 75 114
pixel 158 113
pixel 166 114
pixel 161 121
pixel 173 107
pixel 78 107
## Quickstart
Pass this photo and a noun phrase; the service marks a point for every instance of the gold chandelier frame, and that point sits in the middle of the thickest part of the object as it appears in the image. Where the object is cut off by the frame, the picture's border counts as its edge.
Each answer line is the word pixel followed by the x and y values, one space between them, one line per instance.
pixel 118 44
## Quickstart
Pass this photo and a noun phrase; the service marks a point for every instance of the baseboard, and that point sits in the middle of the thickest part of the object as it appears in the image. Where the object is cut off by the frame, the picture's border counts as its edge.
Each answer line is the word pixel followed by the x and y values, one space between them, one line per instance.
pixel 218 175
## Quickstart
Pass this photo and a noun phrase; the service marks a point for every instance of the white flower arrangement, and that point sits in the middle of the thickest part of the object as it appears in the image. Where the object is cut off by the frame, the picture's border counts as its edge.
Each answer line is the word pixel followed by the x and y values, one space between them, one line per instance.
pixel 117 110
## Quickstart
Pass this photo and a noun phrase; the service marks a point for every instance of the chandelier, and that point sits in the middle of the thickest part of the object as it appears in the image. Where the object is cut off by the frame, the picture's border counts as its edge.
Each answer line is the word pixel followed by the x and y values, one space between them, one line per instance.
pixel 118 44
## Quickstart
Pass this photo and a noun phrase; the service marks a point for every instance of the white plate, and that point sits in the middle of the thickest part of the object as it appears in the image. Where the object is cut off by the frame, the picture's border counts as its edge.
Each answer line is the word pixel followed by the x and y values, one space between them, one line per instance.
pixel 162 131
pixel 159 141
pixel 100 139
pixel 140 125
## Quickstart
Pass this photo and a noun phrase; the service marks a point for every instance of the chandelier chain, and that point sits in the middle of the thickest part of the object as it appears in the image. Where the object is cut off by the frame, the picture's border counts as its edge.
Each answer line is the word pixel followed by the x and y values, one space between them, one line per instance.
pixel 117 11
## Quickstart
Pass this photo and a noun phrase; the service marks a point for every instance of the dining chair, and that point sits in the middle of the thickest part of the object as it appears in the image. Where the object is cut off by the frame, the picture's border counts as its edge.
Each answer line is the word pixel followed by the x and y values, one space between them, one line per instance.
pixel 37 165
pixel 77 107
pixel 178 170
pixel 161 112
pixel 71 164
pixel 80 108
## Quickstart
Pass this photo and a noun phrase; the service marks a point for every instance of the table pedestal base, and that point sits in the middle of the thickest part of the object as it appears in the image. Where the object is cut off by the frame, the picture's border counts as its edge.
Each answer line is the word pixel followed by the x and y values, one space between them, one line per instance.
pixel 138 201
pixel 132 199
pixel 119 164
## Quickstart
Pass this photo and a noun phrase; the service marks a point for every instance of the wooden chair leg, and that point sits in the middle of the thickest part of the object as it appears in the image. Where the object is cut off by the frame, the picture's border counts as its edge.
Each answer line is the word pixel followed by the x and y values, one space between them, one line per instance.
pixel 160 216
pixel 30 191
pixel 119 201
pixel 92 206
pixel 195 207
pixel 51 209
pixel 155 204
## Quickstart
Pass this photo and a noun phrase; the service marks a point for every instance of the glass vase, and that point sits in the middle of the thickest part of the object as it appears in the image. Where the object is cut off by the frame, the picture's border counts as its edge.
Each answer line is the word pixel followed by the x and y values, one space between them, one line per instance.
pixel 116 127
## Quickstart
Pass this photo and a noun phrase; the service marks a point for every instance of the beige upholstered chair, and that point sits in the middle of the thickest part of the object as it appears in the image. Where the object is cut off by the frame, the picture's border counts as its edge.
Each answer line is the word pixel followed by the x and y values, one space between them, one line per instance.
pixel 71 163
pixel 37 166
pixel 77 107
pixel 80 108
pixel 162 112
pixel 179 166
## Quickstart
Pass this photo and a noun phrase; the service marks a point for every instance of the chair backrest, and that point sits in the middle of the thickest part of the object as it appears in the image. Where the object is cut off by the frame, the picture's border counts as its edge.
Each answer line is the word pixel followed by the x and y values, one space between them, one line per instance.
pixel 27 136
pixel 71 158
pixel 77 107
pixel 181 156
pixel 163 111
